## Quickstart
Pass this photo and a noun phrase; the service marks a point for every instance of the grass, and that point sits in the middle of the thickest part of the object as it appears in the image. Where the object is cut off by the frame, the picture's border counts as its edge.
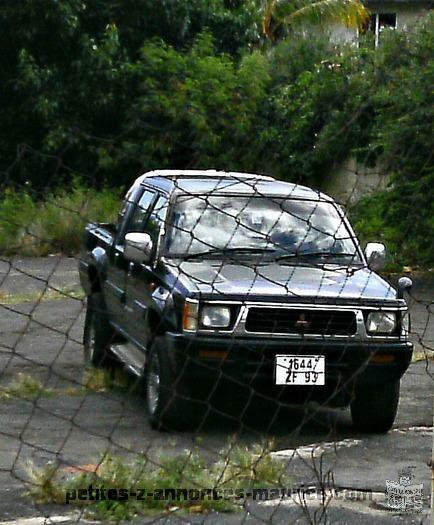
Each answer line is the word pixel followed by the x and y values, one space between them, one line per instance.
pixel 95 380
pixel 254 466
pixel 49 294
pixel 102 380
pixel 32 227
pixel 98 380
pixel 26 387
pixel 422 355
pixel 239 467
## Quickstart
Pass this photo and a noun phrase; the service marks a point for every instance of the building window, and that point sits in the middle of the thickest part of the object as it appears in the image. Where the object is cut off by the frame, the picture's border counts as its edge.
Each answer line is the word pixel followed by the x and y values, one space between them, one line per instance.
pixel 376 23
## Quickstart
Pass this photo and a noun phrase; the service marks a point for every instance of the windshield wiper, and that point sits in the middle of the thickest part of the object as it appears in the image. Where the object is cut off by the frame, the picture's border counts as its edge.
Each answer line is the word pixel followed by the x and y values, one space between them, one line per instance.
pixel 230 251
pixel 327 255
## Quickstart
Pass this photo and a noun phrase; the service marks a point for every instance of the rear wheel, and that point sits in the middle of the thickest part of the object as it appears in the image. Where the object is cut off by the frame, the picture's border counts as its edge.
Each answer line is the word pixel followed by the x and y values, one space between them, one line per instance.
pixel 169 402
pixel 374 408
pixel 98 334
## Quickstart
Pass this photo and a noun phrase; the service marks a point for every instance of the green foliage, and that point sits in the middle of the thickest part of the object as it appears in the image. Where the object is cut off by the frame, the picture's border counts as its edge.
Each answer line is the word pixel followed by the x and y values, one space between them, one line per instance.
pixel 47 294
pixel 193 109
pixel 253 466
pixel 240 468
pixel 400 138
pixel 402 218
pixel 103 92
pixel 67 79
pixel 281 16
pixel 38 228
pixel 43 486
pixel 25 387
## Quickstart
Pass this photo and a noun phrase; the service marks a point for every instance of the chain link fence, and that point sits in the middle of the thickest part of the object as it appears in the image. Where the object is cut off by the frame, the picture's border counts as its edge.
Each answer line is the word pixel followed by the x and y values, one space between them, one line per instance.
pixel 245 336
pixel 253 450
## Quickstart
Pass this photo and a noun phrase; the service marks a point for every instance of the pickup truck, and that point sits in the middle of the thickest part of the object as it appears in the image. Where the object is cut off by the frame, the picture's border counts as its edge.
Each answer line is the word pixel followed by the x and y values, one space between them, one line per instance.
pixel 212 278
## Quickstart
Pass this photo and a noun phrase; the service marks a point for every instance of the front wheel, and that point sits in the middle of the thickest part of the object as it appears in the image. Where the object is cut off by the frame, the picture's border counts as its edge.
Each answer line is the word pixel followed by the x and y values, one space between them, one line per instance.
pixel 169 404
pixel 374 408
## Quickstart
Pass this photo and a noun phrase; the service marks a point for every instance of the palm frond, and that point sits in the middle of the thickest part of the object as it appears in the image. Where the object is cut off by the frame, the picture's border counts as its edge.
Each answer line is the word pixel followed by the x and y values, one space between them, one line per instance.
pixel 268 11
pixel 352 13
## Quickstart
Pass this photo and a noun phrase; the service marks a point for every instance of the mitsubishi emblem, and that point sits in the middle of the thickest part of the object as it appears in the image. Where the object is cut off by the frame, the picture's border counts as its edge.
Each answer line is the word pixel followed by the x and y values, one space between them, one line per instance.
pixel 302 323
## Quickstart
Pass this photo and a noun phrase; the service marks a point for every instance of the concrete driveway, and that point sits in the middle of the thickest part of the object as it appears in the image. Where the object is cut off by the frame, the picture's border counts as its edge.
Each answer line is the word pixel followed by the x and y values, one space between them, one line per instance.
pixel 41 335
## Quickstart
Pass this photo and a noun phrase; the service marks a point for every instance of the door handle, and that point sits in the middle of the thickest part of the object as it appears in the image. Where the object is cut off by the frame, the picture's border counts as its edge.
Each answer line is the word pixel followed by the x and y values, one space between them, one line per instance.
pixel 131 268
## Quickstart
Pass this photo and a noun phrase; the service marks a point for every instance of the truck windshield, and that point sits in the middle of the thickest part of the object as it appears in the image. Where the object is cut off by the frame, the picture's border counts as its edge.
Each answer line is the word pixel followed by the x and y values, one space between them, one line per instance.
pixel 210 226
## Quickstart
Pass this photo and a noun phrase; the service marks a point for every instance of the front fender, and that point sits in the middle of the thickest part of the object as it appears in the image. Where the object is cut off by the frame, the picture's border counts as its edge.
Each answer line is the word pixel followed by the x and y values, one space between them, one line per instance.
pixel 164 308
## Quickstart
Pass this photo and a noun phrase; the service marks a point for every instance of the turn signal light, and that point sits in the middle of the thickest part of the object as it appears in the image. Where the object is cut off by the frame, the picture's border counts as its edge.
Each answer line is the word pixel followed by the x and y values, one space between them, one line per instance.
pixel 214 354
pixel 190 316
pixel 382 358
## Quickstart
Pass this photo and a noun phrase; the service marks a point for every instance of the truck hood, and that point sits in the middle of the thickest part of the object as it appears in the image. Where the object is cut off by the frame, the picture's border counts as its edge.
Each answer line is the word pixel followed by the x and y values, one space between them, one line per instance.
pixel 283 280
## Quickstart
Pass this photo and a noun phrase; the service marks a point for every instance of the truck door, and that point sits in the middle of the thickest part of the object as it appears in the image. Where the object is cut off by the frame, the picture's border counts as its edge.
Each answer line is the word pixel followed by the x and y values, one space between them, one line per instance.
pixel 132 218
pixel 143 279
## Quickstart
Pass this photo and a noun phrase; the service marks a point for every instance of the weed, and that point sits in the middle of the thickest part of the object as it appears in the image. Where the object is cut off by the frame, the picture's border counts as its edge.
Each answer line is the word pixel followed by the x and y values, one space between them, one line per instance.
pixel 422 354
pixel 26 387
pixel 97 380
pixel 250 466
pixel 50 294
pixel 243 467
pixel 103 379
pixel 43 485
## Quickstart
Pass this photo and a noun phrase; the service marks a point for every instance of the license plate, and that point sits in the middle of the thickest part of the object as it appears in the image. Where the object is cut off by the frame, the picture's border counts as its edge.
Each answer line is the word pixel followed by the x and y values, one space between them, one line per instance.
pixel 300 370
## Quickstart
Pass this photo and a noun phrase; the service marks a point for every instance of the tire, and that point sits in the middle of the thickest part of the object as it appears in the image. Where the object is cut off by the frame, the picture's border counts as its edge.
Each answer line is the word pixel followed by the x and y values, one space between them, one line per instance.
pixel 169 402
pixel 98 334
pixel 374 408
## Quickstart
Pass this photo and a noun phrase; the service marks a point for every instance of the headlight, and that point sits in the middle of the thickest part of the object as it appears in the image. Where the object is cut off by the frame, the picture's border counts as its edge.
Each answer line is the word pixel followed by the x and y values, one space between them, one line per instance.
pixel 216 316
pixel 381 322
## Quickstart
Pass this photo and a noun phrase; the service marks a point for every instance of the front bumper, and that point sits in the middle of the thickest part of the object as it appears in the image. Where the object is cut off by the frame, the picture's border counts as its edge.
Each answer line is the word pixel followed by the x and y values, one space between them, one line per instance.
pixel 251 360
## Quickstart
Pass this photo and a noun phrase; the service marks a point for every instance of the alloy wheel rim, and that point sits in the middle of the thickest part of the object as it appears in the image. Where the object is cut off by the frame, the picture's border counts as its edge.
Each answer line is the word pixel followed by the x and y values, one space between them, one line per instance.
pixel 153 384
pixel 92 339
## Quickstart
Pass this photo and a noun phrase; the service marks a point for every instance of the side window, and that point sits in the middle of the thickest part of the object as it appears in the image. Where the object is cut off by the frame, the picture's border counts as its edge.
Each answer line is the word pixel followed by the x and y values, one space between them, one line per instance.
pixel 138 217
pixel 375 24
pixel 130 198
pixel 157 218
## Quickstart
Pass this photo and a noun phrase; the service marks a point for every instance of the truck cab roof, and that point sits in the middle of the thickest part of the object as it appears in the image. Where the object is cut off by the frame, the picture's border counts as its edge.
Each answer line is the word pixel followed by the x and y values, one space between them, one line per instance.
pixel 200 182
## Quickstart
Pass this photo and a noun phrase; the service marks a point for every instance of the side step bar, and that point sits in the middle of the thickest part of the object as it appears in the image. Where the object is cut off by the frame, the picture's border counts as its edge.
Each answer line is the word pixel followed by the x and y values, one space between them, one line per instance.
pixel 131 357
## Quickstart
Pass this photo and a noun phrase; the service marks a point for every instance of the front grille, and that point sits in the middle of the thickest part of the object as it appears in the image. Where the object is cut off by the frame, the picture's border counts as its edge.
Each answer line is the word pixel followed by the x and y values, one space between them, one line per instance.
pixel 299 321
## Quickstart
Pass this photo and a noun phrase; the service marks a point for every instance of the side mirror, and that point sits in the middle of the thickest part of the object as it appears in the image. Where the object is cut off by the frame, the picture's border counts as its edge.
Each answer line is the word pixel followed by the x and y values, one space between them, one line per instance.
pixel 375 253
pixel 404 284
pixel 138 247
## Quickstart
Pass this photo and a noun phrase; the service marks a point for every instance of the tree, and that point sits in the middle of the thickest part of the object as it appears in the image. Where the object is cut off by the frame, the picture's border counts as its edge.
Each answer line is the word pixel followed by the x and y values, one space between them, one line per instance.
pixel 285 15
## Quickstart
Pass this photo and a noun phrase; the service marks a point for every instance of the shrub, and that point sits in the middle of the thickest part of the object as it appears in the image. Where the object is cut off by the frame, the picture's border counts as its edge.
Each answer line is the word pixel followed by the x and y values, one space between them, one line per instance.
pixel 402 218
pixel 293 111
pixel 38 228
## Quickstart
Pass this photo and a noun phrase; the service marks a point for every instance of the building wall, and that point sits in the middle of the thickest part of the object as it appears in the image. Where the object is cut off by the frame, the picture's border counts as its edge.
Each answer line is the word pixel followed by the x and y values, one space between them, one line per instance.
pixel 406 16
pixel 350 181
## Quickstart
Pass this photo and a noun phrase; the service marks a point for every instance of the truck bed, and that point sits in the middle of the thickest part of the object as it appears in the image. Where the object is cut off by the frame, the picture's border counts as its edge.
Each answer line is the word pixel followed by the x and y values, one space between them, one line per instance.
pixel 98 234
